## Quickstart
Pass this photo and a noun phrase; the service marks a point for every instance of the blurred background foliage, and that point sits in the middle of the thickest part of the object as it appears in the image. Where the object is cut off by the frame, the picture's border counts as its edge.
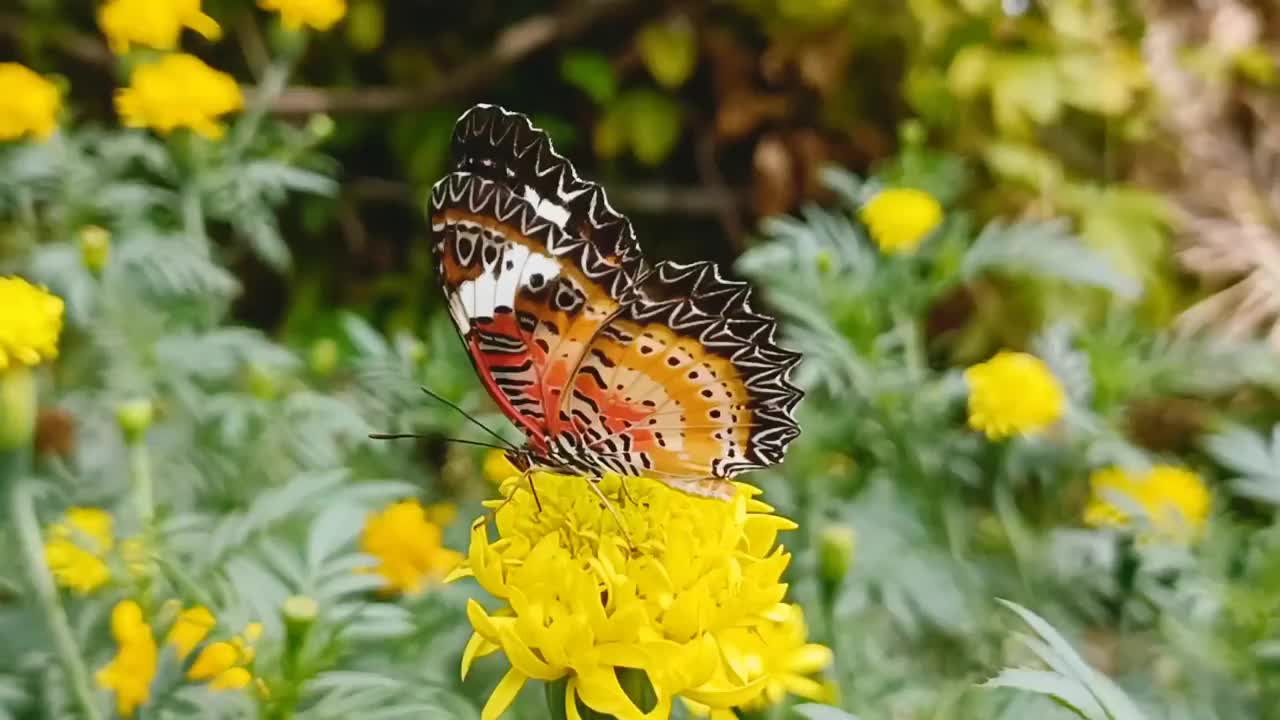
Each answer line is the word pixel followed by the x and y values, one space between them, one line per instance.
pixel 1109 172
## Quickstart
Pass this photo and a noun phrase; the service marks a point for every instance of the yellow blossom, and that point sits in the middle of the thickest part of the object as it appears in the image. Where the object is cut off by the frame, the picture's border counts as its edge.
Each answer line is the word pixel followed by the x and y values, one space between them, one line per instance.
pixel 1174 501
pixel 130 672
pixel 318 14
pixel 30 322
pixel 153 23
pixel 497 467
pixel 226 664
pixel 407 545
pixel 29 104
pixel 1013 394
pixel 190 629
pixel 179 91
pixel 900 218
pixel 671 597
pixel 76 549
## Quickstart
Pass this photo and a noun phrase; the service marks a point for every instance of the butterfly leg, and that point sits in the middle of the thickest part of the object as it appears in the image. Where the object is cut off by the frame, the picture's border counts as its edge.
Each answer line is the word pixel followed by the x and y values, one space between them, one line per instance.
pixel 595 487
pixel 624 494
pixel 528 474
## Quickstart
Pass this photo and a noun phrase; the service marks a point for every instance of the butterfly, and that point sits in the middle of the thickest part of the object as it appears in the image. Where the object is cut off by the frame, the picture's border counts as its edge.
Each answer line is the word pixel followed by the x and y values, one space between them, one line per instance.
pixel 605 362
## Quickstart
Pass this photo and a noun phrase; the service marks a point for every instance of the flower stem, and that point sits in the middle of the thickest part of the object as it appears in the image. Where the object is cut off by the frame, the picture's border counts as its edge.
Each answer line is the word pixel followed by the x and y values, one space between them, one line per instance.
pixel 140 477
pixel 22 517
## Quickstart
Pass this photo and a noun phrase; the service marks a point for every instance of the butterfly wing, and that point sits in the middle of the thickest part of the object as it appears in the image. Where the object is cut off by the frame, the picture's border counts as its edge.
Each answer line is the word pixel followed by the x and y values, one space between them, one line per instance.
pixel 532 260
pixel 685 384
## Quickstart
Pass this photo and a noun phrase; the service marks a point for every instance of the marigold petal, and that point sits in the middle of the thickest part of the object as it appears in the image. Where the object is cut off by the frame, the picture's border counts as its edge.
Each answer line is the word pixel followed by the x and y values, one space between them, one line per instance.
pixel 524 660
pixel 571 700
pixel 235 678
pixel 477 647
pixel 810 658
pixel 503 695
pixel 215 659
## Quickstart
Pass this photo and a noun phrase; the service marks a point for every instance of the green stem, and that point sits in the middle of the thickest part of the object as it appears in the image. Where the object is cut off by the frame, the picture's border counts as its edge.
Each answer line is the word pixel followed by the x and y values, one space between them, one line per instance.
pixel 22 516
pixel 193 214
pixel 143 489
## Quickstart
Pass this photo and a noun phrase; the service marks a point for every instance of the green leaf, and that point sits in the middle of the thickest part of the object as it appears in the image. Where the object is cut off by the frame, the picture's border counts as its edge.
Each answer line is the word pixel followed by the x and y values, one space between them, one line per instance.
pixel 653 125
pixel 1047 249
pixel 669 50
pixel 1090 694
pixel 590 72
pixel 814 711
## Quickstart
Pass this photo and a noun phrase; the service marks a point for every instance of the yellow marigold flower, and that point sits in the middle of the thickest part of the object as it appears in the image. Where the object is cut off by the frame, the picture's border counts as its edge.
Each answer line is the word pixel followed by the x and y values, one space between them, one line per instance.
pixel 1013 394
pixel 179 91
pixel 900 218
pixel 580 602
pixel 1174 501
pixel 29 104
pixel 30 322
pixel 130 672
pixel 190 629
pixel 152 23
pixel 318 14
pixel 497 467
pixel 407 545
pixel 76 548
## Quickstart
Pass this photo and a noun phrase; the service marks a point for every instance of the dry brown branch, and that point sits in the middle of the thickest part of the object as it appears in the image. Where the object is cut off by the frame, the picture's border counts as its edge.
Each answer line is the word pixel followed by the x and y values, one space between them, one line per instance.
pixel 518 42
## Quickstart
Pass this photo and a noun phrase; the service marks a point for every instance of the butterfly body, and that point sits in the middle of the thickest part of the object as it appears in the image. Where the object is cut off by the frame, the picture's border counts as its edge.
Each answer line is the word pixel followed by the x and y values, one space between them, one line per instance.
pixel 606 363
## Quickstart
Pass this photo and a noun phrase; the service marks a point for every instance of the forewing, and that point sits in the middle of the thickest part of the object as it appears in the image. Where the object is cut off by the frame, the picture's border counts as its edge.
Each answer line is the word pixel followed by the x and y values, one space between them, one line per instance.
pixel 686 384
pixel 525 289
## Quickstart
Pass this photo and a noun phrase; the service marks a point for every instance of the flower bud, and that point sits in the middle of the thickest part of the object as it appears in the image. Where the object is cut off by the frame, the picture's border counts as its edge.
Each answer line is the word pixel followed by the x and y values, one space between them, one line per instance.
pixel 95 248
pixel 298 609
pixel 262 383
pixel 323 358
pixel 320 126
pixel 837 545
pixel 135 417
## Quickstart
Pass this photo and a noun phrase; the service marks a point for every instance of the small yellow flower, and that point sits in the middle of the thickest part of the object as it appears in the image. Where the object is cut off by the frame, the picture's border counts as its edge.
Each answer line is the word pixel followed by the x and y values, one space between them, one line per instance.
pixel 900 218
pixel 1013 394
pixel 672 597
pixel 225 664
pixel 776 650
pixel 1174 501
pixel 153 23
pixel 30 322
pixel 29 104
pixel 179 91
pixel 408 547
pixel 318 14
pixel 130 672
pixel 497 467
pixel 76 549
pixel 190 629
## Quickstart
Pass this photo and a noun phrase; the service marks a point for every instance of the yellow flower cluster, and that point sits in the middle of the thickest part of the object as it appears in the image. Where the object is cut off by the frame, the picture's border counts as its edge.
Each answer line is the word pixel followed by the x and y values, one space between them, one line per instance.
pixel 29 104
pixel 179 91
pixel 30 323
pixel 899 219
pixel 152 23
pixel 78 550
pixel 406 539
pixel 130 672
pixel 318 14
pixel 1013 394
pixel 1174 502
pixel 226 665
pixel 690 594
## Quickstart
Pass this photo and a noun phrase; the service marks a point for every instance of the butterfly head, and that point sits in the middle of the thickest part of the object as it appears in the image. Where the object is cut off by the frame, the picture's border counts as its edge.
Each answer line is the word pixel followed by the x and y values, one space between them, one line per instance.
pixel 521 459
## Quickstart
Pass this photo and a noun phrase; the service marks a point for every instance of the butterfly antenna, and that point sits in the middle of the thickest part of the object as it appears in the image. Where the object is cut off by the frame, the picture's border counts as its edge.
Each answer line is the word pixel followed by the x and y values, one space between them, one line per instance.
pixel 474 421
pixel 460 441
